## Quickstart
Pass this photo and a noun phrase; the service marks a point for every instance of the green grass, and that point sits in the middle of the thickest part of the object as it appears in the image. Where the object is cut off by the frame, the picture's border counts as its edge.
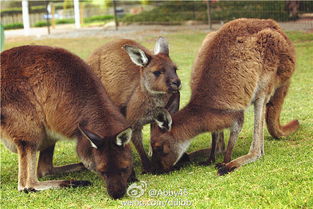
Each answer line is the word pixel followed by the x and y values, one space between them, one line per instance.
pixel 281 179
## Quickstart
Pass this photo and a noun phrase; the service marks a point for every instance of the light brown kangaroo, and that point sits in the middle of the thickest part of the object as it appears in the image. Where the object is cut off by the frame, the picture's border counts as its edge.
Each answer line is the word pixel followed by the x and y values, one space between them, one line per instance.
pixel 47 93
pixel 248 61
pixel 144 85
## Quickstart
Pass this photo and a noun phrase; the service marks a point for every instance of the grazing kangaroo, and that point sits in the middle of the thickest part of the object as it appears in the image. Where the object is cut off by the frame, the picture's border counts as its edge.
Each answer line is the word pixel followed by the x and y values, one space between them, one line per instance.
pixel 248 61
pixel 47 93
pixel 144 85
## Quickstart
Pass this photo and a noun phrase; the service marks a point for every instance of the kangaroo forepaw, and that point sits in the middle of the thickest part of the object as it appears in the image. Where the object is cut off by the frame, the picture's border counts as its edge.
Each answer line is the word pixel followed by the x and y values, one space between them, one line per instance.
pixel 219 165
pixel 132 178
pixel 146 170
pixel 146 167
pixel 223 169
pixel 164 120
pixel 28 190
pixel 74 183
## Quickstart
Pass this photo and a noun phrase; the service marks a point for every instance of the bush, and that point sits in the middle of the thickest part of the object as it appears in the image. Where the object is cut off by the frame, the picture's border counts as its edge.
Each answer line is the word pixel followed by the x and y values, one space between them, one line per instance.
pixel 65 21
pixel 98 18
pixel 13 26
pixel 62 21
pixel 40 24
pixel 69 21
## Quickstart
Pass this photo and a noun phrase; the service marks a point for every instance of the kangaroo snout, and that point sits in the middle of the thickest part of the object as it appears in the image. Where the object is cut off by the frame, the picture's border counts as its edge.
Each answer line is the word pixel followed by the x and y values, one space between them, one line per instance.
pixel 116 189
pixel 175 85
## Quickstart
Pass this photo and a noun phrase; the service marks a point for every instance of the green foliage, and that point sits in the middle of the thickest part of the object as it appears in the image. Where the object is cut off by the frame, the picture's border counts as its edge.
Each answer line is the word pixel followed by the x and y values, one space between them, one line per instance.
pixel 102 3
pixel 280 179
pixel 144 2
pixel 65 21
pixel 67 4
pixel 13 26
pixel 178 12
pixel 41 24
pixel 98 18
pixel 61 21
pixel 69 21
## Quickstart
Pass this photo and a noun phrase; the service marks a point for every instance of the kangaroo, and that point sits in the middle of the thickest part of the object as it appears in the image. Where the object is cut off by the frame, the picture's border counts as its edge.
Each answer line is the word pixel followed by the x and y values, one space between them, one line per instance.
pixel 248 61
pixel 48 93
pixel 144 85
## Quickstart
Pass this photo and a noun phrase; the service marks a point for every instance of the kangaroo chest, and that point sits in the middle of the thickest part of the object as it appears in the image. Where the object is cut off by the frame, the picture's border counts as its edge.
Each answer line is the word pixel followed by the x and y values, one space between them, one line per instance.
pixel 145 111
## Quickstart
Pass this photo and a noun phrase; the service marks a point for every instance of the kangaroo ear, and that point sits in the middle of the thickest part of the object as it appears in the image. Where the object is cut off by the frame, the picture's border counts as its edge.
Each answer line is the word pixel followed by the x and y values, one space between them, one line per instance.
pixel 95 140
pixel 161 46
pixel 136 55
pixel 124 137
pixel 164 120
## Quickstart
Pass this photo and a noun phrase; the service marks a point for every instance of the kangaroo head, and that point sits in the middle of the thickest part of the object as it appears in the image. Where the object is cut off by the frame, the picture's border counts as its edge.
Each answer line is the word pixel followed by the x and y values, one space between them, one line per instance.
pixel 113 160
pixel 158 72
pixel 167 152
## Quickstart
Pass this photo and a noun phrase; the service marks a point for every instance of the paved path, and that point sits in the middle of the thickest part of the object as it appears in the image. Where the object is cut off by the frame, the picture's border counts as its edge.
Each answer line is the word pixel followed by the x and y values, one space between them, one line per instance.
pixel 69 31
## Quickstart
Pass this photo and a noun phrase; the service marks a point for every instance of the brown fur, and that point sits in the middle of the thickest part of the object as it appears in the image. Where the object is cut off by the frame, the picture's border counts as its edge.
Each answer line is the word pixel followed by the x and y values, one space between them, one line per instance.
pixel 132 88
pixel 248 61
pixel 46 93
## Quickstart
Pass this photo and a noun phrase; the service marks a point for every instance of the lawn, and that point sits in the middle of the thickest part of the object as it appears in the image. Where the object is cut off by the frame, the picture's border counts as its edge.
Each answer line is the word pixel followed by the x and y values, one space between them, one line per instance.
pixel 283 178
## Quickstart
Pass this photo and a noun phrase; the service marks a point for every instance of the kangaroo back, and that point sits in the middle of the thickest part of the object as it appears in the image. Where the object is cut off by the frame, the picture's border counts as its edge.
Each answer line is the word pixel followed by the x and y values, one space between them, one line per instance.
pixel 216 84
pixel 61 93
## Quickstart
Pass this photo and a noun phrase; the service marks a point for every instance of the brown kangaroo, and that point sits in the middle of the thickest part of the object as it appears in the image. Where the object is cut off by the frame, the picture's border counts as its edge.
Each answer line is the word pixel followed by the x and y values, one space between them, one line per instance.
pixel 144 85
pixel 48 93
pixel 248 61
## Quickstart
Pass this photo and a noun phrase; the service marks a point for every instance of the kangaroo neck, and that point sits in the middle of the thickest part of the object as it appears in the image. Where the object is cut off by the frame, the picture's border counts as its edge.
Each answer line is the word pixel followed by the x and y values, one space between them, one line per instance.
pixel 193 120
pixel 156 98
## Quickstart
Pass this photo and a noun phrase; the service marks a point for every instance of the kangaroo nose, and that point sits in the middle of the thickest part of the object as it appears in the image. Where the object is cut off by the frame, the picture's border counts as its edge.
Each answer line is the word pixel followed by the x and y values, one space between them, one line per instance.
pixel 176 83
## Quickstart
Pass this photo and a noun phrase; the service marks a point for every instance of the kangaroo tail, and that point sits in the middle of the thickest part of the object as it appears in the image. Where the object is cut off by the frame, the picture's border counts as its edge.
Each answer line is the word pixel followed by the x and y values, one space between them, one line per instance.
pixel 273 109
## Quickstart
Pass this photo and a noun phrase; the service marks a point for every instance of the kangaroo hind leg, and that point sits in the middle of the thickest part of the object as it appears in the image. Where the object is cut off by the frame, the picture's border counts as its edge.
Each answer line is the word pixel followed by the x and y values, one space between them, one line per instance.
pixel 45 164
pixel 28 181
pixel 256 150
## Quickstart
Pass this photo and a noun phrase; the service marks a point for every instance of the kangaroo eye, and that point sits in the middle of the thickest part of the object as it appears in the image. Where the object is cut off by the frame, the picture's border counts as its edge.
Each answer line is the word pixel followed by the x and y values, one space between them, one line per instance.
pixel 157 73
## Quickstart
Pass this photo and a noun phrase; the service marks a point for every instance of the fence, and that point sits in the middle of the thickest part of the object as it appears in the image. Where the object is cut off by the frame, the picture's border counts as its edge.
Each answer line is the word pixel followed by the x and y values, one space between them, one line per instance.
pixel 174 12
